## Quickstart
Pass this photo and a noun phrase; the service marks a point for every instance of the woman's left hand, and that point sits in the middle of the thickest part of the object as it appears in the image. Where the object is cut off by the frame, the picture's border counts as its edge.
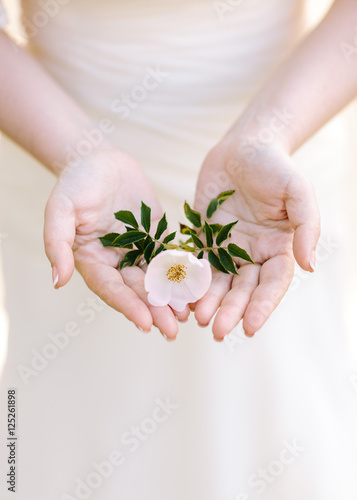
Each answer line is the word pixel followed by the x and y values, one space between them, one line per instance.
pixel 278 219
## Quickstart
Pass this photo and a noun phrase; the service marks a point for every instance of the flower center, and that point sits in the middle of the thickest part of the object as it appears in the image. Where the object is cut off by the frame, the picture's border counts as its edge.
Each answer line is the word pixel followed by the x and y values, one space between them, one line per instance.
pixel 176 273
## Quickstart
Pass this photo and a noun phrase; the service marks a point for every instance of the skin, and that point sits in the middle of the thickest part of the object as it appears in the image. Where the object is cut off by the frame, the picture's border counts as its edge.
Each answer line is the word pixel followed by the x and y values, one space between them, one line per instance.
pixel 275 203
pixel 46 121
pixel 277 211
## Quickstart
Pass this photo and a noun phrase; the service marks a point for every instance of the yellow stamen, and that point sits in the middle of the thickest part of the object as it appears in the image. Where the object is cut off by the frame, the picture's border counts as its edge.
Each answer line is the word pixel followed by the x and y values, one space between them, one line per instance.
pixel 176 273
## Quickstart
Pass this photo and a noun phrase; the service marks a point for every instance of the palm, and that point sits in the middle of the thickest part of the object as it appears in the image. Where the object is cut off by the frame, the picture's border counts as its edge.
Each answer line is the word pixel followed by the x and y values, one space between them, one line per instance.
pixel 270 201
pixel 80 210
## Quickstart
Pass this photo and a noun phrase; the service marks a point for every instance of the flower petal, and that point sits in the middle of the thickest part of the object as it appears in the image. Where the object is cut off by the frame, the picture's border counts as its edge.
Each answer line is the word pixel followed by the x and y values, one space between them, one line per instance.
pixel 199 276
pixel 158 286
pixel 161 298
pixel 162 291
pixel 180 296
pixel 168 258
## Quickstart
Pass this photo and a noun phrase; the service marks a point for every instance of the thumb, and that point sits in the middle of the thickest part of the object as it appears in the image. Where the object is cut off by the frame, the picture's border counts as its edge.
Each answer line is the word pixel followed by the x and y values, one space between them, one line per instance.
pixel 304 216
pixel 59 233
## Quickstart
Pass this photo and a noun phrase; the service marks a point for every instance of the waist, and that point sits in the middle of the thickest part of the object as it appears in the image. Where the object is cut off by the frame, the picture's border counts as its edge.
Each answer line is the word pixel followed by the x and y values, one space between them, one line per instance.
pixel 106 50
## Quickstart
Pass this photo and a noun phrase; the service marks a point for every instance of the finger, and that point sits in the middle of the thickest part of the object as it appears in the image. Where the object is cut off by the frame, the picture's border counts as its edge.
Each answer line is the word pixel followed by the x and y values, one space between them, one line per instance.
pixel 59 233
pixel 235 302
pixel 207 306
pixel 182 316
pixel 303 213
pixel 275 277
pixel 163 317
pixel 108 284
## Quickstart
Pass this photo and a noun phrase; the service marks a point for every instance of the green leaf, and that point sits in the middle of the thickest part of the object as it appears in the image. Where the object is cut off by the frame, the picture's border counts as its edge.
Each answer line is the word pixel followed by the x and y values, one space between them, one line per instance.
pixel 188 248
pixel 197 241
pixel 147 240
pixel 149 251
pixel 140 245
pixel 224 233
pixel 192 216
pixel 236 251
pixel 216 228
pixel 129 258
pixel 169 237
pixel 186 230
pixel 216 202
pixel 129 237
pixel 227 261
pixel 209 235
pixel 127 217
pixel 145 217
pixel 215 262
pixel 223 196
pixel 200 255
pixel 159 249
pixel 107 240
pixel 212 207
pixel 161 227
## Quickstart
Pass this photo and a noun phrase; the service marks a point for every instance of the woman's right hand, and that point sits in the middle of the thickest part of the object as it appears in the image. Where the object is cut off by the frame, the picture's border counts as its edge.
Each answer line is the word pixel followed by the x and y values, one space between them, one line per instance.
pixel 79 210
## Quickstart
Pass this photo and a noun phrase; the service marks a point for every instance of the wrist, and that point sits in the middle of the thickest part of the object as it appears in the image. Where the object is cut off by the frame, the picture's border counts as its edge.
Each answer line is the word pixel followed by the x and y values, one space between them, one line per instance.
pixel 85 143
pixel 256 131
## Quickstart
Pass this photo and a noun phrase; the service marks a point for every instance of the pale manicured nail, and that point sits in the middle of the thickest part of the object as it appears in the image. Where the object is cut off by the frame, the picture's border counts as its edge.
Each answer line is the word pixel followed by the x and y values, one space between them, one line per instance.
pixel 181 320
pixel 55 276
pixel 167 338
pixel 217 340
pixel 142 329
pixel 313 261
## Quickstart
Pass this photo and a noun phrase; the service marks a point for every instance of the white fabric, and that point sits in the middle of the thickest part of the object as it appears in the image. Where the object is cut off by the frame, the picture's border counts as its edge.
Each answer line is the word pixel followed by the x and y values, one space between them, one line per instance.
pixel 240 403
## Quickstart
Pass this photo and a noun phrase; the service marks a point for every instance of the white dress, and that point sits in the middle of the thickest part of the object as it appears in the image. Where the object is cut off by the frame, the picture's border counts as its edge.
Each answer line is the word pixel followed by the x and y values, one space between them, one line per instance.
pixel 106 412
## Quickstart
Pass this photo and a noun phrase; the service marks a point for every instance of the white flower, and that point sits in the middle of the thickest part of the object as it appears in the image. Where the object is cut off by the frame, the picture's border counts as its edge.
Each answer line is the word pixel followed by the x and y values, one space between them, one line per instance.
pixel 176 278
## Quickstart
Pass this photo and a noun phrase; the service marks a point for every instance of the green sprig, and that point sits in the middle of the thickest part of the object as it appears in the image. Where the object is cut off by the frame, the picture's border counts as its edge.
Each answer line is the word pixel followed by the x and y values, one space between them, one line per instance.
pixel 142 245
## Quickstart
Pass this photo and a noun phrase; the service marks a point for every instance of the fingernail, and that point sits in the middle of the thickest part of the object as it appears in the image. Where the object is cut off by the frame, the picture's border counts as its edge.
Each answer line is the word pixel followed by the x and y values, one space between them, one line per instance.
pixel 167 338
pixel 181 320
pixel 55 276
pixel 202 326
pixel 142 329
pixel 217 340
pixel 313 261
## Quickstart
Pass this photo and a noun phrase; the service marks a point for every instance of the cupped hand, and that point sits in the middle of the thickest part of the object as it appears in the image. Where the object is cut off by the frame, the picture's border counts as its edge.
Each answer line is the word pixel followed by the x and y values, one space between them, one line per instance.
pixel 80 209
pixel 278 220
